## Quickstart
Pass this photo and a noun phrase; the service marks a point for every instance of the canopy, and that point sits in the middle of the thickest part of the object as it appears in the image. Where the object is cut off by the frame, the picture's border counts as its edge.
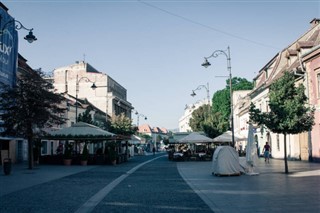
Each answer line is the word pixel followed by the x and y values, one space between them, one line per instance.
pixel 195 137
pixel 134 139
pixel 227 137
pixel 81 131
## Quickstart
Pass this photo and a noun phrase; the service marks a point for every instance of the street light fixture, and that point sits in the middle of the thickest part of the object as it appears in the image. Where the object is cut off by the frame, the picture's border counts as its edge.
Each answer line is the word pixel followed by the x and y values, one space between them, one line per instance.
pixel 199 88
pixel 18 26
pixel 94 86
pixel 77 91
pixel 206 64
pixel 140 115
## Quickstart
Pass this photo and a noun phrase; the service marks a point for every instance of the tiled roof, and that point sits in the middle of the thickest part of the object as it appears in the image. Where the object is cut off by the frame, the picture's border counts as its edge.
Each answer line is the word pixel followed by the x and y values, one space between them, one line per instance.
pixel 283 60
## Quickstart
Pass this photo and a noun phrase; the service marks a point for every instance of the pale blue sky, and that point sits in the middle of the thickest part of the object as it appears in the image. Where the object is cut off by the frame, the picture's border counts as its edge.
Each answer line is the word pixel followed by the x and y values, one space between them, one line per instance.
pixel 155 48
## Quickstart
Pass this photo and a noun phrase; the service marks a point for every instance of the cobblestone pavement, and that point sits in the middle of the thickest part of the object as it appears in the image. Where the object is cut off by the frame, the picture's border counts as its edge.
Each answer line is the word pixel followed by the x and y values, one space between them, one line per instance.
pixel 154 184
pixel 270 191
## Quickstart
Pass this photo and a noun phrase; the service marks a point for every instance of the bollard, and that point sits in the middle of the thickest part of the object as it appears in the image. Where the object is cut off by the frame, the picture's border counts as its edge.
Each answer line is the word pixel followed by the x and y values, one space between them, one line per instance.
pixel 7 166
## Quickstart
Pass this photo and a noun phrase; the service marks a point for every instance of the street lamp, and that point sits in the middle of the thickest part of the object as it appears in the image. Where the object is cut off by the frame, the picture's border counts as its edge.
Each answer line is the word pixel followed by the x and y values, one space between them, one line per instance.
pixel 140 115
pixel 94 86
pixel 77 91
pixel 206 64
pixel 18 26
pixel 208 94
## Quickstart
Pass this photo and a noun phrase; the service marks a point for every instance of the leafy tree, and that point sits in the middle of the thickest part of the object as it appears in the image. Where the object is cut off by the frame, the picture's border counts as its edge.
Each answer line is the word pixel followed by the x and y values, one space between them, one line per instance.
pixel 204 121
pixel 145 136
pixel 221 99
pixel 86 117
pixel 29 107
pixel 289 113
pixel 122 125
pixel 198 118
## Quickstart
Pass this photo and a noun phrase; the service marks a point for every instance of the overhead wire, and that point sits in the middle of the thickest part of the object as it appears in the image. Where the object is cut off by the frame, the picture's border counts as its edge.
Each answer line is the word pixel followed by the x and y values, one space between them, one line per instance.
pixel 207 26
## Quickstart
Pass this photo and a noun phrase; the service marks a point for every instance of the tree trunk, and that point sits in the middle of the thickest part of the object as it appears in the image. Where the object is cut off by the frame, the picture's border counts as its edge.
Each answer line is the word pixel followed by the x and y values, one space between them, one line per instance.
pixel 285 154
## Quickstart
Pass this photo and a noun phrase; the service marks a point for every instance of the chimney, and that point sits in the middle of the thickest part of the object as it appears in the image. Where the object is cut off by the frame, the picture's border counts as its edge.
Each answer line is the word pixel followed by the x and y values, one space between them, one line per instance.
pixel 314 22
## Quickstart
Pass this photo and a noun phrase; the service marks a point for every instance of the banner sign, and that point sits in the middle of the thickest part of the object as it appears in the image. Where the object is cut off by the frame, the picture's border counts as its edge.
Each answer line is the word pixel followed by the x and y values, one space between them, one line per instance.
pixel 8 49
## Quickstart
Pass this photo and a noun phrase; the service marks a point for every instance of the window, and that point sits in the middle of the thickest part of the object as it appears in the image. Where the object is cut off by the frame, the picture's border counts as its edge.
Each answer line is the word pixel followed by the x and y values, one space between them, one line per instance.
pixel 278 142
pixel 44 147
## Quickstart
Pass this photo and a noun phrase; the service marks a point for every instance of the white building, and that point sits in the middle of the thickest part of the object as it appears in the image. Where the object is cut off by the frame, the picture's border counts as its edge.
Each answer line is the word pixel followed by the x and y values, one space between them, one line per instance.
pixel 184 120
pixel 77 80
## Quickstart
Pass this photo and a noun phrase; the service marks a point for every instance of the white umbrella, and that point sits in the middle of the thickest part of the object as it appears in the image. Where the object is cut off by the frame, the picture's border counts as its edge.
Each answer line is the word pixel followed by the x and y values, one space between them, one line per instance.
pixel 226 137
pixel 195 137
pixel 251 153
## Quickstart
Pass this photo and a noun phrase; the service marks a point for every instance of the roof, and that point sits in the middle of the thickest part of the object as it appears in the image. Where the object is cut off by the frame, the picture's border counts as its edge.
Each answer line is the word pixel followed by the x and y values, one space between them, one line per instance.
pixel 82 131
pixel 287 59
pixel 195 137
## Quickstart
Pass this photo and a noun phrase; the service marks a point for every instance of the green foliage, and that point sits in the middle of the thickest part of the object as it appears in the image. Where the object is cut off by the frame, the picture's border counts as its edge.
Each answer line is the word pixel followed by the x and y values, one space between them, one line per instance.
pixel 122 125
pixel 289 113
pixel 85 153
pixel 166 141
pixel 221 99
pixel 198 118
pixel 68 151
pixel 86 117
pixel 145 136
pixel 111 150
pixel 30 105
pixel 204 121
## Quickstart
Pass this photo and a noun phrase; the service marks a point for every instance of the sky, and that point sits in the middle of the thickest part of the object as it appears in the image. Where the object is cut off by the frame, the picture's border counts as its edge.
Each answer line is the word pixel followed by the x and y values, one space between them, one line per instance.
pixel 155 48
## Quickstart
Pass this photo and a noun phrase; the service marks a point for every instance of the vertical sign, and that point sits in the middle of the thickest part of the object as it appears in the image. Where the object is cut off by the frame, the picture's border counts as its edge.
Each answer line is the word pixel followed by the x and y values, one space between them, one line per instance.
pixel 8 49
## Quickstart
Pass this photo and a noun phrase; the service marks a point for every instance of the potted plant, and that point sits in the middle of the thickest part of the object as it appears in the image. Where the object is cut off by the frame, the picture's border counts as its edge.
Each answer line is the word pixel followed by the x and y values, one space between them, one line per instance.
pixel 84 155
pixel 67 158
pixel 112 153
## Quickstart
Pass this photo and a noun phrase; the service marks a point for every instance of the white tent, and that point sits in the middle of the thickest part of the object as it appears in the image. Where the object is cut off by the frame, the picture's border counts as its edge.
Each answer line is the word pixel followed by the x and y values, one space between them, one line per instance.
pixel 195 137
pixel 227 137
pixel 81 130
pixel 225 162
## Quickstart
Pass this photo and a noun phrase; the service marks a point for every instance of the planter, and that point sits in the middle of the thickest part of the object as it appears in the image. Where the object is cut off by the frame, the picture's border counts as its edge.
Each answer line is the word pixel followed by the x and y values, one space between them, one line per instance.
pixel 67 162
pixel 84 162
pixel 114 162
pixel 7 166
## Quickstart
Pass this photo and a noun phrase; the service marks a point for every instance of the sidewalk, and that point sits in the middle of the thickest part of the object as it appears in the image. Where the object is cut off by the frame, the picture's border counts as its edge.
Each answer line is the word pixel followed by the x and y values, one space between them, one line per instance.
pixel 21 177
pixel 270 191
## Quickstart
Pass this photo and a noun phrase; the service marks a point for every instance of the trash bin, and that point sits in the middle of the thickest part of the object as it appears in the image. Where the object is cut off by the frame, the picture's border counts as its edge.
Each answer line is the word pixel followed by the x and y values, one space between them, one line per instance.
pixel 7 166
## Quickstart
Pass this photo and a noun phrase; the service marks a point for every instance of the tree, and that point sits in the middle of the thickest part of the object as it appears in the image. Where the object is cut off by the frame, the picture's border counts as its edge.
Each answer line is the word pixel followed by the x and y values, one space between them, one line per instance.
pixel 86 117
pixel 221 99
pixel 289 113
pixel 122 125
pixel 211 124
pixel 198 118
pixel 29 107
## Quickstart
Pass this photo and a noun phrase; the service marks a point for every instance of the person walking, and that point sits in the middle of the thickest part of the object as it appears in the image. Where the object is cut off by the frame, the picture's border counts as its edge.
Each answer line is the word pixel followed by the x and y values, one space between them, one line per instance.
pixel 267 150
pixel 154 150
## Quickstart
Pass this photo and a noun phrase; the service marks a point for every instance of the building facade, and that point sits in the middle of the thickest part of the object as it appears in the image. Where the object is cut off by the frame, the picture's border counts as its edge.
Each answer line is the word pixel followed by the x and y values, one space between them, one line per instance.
pixel 290 59
pixel 108 95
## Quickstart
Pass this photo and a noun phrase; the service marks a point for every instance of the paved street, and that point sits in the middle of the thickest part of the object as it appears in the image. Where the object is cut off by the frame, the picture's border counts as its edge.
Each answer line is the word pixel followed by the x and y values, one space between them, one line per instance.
pixel 154 184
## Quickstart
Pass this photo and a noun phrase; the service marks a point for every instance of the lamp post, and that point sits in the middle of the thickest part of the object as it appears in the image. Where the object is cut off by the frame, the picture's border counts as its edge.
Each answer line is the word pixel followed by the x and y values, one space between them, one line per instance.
pixel 140 115
pixel 77 91
pixel 18 26
pixel 206 64
pixel 94 86
pixel 208 94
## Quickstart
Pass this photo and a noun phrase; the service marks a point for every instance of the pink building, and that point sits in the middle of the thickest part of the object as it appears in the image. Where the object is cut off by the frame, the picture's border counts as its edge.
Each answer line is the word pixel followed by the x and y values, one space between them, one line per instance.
pixel 311 61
